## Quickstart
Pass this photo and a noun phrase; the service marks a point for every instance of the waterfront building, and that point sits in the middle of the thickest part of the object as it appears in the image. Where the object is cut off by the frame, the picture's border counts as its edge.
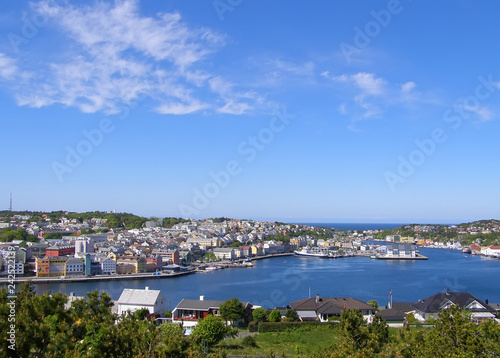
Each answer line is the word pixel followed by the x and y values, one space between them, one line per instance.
pixel 73 267
pixel 168 256
pixel 138 262
pixel 132 300
pixel 432 305
pixel 108 266
pixel 50 266
pixel 224 253
pixel 401 251
pixel 124 269
pixel 246 251
pixel 257 250
pixel 322 308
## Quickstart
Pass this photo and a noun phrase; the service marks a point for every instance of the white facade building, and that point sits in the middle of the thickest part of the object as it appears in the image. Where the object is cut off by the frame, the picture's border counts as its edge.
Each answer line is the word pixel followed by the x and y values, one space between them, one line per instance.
pixel 83 245
pixel 133 299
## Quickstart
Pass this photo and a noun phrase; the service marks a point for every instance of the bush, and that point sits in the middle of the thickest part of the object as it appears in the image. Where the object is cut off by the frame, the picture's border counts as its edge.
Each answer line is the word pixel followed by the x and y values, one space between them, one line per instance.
pixel 292 326
pixel 275 316
pixel 249 341
pixel 253 326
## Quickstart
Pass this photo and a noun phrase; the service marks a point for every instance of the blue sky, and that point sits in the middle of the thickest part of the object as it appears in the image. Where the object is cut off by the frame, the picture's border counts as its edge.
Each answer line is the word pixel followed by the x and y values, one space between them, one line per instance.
pixel 380 111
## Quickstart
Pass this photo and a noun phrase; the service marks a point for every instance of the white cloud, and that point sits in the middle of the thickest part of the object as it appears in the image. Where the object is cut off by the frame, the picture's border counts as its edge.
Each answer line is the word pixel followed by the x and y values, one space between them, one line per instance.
pixel 8 68
pixel 115 56
pixel 368 83
pixel 181 108
pixel 483 113
pixel 298 69
pixel 408 87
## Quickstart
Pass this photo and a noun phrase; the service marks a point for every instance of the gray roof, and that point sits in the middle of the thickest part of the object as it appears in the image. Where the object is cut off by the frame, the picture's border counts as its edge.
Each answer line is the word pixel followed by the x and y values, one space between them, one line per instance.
pixel 434 303
pixel 403 306
pixel 131 296
pixel 202 305
pixel 198 305
pixel 392 315
pixel 329 305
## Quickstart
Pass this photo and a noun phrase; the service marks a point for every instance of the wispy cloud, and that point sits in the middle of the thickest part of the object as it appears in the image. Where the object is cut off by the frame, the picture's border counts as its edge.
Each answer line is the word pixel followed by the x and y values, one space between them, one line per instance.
pixel 483 113
pixel 8 68
pixel 278 67
pixel 115 55
pixel 369 96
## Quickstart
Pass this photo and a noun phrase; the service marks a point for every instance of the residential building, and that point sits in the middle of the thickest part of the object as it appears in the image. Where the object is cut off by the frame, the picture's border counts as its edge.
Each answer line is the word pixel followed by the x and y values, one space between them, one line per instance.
pixel 135 299
pixel 432 305
pixel 190 312
pixel 322 308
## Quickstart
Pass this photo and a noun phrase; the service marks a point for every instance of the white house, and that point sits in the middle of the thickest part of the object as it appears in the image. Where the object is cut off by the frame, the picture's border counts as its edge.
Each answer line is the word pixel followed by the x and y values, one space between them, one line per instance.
pixel 322 308
pixel 432 305
pixel 135 299
pixel 491 251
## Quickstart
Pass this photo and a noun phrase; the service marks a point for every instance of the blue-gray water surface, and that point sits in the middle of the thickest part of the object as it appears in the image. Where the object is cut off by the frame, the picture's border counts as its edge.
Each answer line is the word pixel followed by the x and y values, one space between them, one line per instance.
pixel 281 280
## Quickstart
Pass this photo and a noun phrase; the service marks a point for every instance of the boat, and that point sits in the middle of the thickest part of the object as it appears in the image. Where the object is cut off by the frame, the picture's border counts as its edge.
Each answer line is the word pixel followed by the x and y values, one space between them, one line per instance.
pixel 373 257
pixel 310 253
pixel 466 250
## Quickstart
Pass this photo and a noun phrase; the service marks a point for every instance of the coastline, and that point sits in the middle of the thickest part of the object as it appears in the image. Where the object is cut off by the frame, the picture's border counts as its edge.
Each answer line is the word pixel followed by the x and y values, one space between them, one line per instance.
pixel 149 275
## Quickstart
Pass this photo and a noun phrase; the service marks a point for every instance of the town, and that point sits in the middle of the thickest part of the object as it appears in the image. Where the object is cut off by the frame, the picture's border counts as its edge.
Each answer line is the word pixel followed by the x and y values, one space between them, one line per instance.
pixel 61 247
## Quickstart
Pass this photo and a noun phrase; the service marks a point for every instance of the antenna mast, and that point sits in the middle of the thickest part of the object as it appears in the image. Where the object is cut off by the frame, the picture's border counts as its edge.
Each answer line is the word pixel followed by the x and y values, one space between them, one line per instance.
pixel 10 207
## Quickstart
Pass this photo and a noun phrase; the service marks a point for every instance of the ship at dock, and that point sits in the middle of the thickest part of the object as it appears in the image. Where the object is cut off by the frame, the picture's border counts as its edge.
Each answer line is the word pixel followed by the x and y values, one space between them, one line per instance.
pixel 310 253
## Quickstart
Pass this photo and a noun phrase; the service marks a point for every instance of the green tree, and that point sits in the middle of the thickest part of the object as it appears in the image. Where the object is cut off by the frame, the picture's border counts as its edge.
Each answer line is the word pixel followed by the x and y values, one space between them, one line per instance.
pixel 455 335
pixel 232 309
pixel 379 332
pixel 140 314
pixel 291 315
pixel 374 304
pixel 275 316
pixel 259 314
pixel 210 330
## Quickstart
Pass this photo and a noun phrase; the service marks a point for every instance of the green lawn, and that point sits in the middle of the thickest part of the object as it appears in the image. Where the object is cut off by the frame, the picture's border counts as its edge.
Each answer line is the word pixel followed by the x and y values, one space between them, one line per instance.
pixel 298 343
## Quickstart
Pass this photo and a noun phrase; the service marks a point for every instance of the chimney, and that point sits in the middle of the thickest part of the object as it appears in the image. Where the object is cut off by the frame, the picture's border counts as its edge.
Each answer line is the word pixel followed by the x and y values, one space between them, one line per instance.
pixel 447 292
pixel 317 298
pixel 147 288
pixel 202 298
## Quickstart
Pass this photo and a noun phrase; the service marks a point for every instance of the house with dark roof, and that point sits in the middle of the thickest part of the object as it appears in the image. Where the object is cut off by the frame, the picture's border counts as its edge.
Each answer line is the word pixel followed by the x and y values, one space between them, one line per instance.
pixel 321 308
pixel 190 312
pixel 395 314
pixel 432 305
